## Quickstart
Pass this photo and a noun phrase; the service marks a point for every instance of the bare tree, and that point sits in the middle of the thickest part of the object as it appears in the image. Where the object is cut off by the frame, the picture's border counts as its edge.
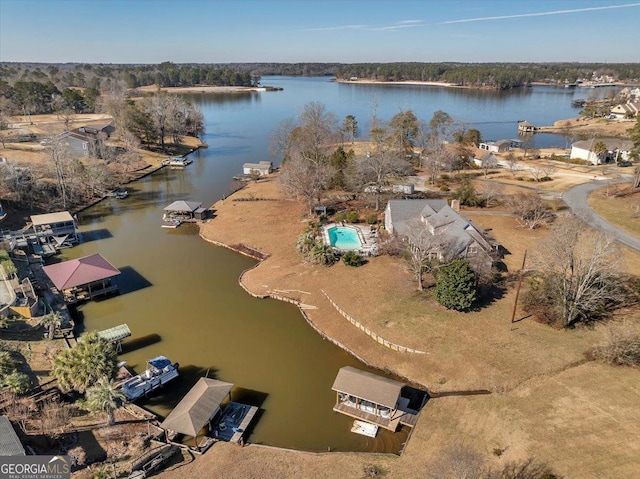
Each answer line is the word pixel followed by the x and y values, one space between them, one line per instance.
pixel 490 191
pixel 60 157
pixel 548 169
pixel 377 169
pixel 302 179
pixel 530 210
pixel 512 163
pixel 580 272
pixel 422 249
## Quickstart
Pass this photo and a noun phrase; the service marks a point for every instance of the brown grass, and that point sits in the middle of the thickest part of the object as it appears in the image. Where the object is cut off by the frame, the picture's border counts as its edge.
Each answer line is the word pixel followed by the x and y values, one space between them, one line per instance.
pixel 623 211
pixel 542 396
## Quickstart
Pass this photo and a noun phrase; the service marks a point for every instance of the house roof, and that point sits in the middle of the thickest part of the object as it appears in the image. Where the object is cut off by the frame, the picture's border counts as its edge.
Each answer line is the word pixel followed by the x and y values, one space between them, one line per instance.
pixel 403 211
pixel 10 444
pixel 182 205
pixel 51 218
pixel 457 232
pixel 611 144
pixel 524 123
pixel 371 387
pixel 258 166
pixel 197 407
pixel 76 272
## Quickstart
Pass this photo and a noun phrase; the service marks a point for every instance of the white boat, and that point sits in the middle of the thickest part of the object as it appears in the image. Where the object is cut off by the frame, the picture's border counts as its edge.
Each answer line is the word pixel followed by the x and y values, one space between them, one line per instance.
pixel 171 223
pixel 179 161
pixel 159 372
pixel 364 428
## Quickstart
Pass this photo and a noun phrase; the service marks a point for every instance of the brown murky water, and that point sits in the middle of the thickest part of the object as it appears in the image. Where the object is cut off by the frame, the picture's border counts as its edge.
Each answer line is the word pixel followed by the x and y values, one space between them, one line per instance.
pixel 180 298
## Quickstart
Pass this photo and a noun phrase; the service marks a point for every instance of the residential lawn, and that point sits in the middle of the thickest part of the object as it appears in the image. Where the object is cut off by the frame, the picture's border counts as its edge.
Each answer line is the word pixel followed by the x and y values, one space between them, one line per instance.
pixel 623 210
pixel 542 393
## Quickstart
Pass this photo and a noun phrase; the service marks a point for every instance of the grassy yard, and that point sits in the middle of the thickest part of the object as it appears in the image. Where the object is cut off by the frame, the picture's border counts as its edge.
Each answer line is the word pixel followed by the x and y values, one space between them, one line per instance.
pixel 543 394
pixel 623 210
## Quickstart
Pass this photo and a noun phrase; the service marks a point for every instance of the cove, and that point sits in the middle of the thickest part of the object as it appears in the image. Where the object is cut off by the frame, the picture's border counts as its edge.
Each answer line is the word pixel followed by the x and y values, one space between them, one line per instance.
pixel 180 295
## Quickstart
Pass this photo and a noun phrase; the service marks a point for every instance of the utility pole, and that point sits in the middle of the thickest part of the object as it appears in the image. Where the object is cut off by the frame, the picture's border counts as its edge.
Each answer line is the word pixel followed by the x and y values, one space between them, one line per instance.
pixel 515 303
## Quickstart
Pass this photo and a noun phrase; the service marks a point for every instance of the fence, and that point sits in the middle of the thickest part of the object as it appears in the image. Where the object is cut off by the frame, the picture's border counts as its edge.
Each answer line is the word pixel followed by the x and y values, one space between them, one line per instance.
pixel 368 332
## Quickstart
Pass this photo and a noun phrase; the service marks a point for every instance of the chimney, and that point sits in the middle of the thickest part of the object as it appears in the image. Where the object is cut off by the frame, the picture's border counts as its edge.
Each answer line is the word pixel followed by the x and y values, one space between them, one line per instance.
pixel 455 205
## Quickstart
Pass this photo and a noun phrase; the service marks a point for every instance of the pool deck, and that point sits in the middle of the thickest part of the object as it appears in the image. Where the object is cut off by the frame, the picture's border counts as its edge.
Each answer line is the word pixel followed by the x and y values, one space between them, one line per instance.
pixel 367 236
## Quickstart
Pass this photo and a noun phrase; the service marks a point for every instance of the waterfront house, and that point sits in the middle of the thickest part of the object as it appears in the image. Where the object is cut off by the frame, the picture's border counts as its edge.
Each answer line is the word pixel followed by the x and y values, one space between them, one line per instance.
pixel 260 169
pixel 55 228
pixel 458 236
pixel 626 110
pixel 500 146
pixel 83 278
pixel 82 141
pixel 198 408
pixel 372 398
pixel 10 444
pixel 486 160
pixel 615 150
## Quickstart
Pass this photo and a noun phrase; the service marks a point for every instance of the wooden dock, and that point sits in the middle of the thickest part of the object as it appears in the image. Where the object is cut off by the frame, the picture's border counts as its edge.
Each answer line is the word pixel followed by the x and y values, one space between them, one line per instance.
pixel 234 421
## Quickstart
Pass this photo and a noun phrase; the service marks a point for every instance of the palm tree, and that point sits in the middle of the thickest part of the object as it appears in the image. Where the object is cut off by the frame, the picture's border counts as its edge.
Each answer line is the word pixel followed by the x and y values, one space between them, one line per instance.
pixel 306 242
pixel 80 367
pixel 51 321
pixel 103 397
pixel 323 254
pixel 598 149
pixel 17 382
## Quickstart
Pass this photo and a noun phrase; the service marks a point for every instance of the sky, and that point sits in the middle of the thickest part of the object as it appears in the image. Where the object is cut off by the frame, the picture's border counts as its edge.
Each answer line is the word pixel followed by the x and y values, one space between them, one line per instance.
pixel 345 31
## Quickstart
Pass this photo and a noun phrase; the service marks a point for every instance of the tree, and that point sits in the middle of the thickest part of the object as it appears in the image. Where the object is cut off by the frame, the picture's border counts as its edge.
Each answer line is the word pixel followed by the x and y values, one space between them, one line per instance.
pixel 530 210
pixel 17 382
pixel 456 285
pixel 598 149
pixel 350 128
pixel 512 163
pixel 422 250
pixel 376 170
pixel 404 131
pixel 80 367
pixel 323 254
pixel 60 156
pixel 102 397
pixel 579 279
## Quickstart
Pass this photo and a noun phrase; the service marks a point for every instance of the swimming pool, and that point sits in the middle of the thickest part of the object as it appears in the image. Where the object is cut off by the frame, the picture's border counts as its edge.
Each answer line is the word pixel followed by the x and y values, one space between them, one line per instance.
pixel 344 237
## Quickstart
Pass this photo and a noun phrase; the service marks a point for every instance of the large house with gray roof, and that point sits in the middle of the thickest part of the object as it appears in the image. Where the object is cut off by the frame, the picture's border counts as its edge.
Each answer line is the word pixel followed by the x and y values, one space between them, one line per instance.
pixel 615 150
pixel 458 236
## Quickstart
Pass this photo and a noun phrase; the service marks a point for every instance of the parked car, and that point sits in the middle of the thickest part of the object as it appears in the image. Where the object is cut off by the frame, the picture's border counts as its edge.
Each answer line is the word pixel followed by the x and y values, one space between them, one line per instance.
pixel 624 163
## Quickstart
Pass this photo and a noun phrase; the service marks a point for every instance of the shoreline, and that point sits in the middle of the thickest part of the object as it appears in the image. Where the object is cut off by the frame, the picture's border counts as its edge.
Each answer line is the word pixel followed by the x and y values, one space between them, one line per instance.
pixel 205 89
pixel 404 82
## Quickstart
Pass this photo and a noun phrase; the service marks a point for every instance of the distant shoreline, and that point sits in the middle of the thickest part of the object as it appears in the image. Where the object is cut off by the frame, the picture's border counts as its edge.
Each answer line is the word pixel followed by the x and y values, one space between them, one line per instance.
pixel 405 82
pixel 206 89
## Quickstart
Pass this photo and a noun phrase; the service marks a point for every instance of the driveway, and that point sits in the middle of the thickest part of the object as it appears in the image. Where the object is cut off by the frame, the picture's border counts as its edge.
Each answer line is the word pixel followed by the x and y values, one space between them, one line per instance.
pixel 576 200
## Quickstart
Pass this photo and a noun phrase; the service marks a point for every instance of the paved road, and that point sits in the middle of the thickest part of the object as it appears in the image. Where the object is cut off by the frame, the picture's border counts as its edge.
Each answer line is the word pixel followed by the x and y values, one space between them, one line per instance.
pixel 576 199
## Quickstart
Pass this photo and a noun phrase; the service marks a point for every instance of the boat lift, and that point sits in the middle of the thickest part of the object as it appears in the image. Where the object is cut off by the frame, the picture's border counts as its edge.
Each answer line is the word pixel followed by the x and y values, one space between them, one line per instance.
pixel 116 335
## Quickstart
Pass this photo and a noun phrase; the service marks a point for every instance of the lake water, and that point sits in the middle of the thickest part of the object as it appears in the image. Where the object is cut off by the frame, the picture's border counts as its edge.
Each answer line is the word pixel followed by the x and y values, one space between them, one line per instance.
pixel 180 295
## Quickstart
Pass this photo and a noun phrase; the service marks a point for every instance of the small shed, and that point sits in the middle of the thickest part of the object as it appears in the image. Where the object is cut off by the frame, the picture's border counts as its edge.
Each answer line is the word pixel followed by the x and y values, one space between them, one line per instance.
pixel 10 444
pixel 198 407
pixel 367 396
pixel 83 278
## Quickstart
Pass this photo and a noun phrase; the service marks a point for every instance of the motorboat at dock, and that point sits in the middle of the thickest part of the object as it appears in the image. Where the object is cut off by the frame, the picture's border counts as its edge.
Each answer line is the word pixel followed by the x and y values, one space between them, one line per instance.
pixel 159 372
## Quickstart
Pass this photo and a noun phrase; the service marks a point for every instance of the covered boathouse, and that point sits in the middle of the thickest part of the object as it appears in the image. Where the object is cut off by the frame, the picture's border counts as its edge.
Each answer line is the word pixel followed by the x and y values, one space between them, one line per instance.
pixel 55 228
pixel 198 408
pixel 83 278
pixel 372 398
pixel 184 211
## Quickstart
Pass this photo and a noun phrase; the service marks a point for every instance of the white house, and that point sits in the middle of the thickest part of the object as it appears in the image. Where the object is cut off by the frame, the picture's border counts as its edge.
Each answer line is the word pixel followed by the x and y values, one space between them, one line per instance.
pixel 261 169
pixel 496 146
pixel 487 160
pixel 616 150
pixel 631 108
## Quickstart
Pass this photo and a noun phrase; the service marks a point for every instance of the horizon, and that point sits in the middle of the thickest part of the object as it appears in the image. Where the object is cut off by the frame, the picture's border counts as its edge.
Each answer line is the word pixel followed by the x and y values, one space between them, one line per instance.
pixel 277 31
